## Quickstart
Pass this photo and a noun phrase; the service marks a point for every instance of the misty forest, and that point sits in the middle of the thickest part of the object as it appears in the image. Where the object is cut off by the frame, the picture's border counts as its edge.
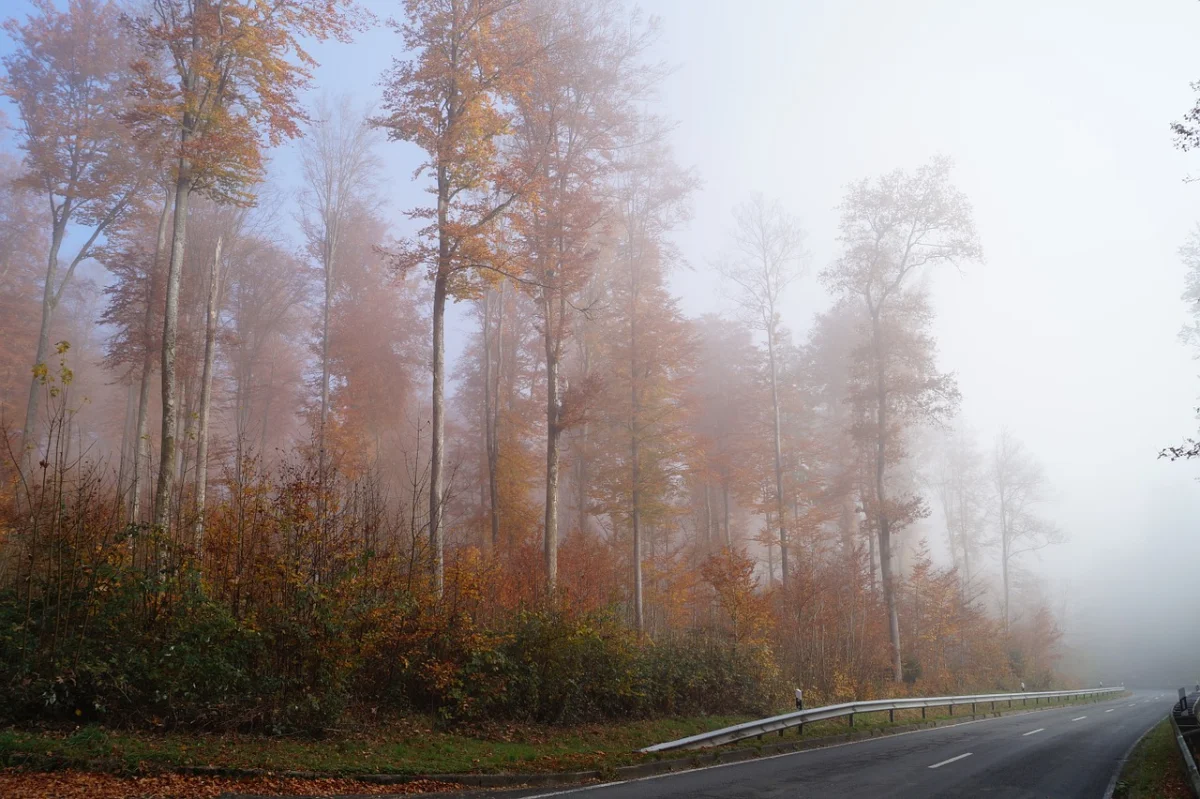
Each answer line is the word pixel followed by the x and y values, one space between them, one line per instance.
pixel 283 456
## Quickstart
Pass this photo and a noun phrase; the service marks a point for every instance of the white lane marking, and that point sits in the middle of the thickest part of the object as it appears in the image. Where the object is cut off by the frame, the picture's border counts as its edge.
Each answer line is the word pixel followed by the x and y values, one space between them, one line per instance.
pixel 1110 710
pixel 1081 718
pixel 1033 732
pixel 951 760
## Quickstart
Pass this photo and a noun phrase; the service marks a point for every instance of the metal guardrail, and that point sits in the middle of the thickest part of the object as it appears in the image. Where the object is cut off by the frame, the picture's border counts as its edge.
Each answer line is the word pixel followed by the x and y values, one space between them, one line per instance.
pixel 1189 762
pixel 1184 724
pixel 754 729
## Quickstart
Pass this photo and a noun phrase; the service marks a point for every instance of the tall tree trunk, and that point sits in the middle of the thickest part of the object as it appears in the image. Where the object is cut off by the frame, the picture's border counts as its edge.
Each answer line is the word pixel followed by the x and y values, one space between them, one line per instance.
pixel 770 554
pixel 885 533
pixel 581 457
pixel 126 455
pixel 783 544
pixel 491 402
pixel 49 303
pixel 438 435
pixel 553 432
pixel 325 305
pixel 635 515
pixel 167 448
pixel 141 455
pixel 210 341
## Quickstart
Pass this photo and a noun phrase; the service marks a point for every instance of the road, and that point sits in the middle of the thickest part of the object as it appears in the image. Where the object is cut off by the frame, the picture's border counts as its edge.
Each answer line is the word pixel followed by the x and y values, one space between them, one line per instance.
pixel 1063 753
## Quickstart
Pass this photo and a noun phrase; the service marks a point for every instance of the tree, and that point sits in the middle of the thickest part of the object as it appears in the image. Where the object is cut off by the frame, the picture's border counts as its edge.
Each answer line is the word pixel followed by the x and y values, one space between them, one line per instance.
pixel 644 345
pixel 236 69
pixel 338 165
pixel 769 253
pixel 576 109
pixel 69 78
pixel 891 229
pixel 1019 485
pixel 447 99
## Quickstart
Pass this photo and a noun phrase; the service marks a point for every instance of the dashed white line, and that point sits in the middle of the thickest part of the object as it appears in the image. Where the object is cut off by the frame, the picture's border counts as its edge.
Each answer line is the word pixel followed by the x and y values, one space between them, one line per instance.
pixel 1110 710
pixel 1081 718
pixel 1033 732
pixel 951 760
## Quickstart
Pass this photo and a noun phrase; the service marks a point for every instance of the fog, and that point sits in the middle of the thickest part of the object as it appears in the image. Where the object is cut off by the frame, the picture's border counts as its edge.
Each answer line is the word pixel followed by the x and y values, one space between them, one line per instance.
pixel 1055 116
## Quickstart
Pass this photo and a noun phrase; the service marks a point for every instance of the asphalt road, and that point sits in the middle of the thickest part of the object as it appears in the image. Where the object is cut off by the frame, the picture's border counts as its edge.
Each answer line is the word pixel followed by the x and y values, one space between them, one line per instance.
pixel 1057 754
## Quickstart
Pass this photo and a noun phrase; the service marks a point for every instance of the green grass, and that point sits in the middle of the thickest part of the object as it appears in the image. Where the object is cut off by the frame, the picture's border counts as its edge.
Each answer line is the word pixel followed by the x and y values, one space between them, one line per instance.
pixel 1154 769
pixel 412 746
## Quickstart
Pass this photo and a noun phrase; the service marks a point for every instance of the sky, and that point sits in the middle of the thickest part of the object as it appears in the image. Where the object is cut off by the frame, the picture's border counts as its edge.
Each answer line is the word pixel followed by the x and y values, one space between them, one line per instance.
pixel 1057 116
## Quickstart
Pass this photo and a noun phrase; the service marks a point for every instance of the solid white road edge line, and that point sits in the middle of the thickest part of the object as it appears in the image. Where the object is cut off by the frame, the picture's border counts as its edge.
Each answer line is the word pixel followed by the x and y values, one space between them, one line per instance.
pixel 1033 732
pixel 951 760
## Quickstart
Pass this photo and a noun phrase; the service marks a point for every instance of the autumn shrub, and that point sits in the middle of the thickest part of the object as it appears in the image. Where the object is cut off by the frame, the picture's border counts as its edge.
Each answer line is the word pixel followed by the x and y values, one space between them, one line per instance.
pixel 702 674
pixel 296 606
pixel 557 667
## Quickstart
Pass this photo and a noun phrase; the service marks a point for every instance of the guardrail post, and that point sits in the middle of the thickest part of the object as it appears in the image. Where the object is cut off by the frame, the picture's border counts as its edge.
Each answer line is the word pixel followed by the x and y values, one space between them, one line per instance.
pixel 892 716
pixel 951 708
pixel 922 712
pixel 972 708
pixel 851 719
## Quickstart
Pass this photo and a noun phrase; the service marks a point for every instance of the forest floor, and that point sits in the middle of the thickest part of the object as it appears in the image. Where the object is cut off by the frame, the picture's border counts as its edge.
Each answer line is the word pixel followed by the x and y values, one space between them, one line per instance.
pixel 1154 769
pixel 116 764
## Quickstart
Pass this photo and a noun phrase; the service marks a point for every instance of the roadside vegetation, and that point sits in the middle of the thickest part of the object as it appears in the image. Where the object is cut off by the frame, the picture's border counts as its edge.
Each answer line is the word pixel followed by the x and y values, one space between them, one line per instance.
pixel 411 747
pixel 1154 769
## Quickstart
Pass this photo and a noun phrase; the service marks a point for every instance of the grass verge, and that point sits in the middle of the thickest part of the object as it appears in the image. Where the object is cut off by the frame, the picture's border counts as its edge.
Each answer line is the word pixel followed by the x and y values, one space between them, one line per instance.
pixel 1154 769
pixel 411 747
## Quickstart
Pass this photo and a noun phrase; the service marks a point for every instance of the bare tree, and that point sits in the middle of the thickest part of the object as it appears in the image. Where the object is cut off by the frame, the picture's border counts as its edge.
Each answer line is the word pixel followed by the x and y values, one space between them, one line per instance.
pixel 1020 486
pixel 769 256
pixel 338 165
